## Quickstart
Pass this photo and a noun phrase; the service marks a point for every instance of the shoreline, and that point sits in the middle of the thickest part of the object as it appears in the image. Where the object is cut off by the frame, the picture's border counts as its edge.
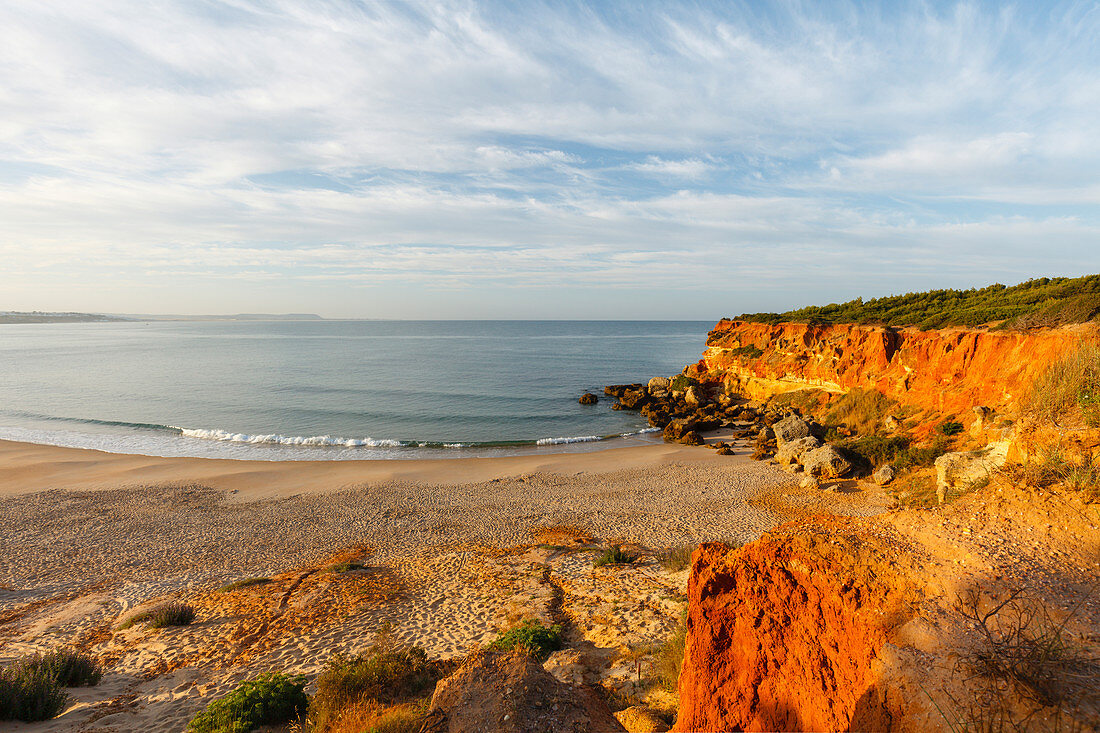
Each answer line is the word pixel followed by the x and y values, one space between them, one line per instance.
pixel 27 468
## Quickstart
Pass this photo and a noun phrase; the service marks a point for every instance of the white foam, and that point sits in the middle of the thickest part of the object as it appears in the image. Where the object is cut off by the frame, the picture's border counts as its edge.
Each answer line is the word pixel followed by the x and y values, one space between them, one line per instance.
pixel 565 441
pixel 314 440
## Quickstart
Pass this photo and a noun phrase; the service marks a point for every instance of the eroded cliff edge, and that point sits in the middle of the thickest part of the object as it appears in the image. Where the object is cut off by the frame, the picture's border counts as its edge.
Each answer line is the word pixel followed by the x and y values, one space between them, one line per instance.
pixel 948 370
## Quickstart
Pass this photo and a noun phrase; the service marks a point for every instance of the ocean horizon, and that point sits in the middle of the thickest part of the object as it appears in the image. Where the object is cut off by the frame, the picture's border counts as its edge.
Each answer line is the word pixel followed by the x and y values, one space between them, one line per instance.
pixel 332 389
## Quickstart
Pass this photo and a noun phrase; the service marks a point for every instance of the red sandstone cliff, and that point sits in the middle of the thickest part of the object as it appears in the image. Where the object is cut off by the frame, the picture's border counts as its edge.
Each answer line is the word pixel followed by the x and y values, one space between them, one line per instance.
pixel 784 634
pixel 948 371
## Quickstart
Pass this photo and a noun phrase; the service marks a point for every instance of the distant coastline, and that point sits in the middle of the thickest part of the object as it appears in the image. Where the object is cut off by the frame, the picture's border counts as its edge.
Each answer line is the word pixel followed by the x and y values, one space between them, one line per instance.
pixel 57 317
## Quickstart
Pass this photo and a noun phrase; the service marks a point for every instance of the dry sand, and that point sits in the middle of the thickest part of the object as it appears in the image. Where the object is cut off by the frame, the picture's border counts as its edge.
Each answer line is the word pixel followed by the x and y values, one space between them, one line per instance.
pixel 454 551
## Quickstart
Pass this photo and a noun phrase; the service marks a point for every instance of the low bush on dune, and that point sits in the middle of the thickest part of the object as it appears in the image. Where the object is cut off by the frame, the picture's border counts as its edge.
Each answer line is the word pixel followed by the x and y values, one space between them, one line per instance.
pixel 166 614
pixel 896 450
pixel 66 668
pixel 540 640
pixel 31 689
pixel 29 694
pixel 382 675
pixel 270 699
pixel 246 583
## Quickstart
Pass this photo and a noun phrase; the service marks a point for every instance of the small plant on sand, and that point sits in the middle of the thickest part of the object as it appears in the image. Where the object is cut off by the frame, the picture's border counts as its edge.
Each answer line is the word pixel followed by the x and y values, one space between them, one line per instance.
pixel 384 675
pixel 66 668
pixel 614 555
pixel 540 640
pixel 246 583
pixel 270 699
pixel 345 567
pixel 1025 663
pixel 172 613
pixel 29 694
pixel 677 558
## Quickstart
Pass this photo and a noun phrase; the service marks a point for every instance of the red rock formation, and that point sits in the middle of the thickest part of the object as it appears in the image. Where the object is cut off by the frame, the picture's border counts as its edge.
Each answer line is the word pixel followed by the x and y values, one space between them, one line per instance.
pixel 948 371
pixel 783 634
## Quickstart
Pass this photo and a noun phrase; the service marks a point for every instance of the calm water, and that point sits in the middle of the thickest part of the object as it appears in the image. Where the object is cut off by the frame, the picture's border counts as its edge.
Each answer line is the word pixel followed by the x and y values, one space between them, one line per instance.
pixel 331 389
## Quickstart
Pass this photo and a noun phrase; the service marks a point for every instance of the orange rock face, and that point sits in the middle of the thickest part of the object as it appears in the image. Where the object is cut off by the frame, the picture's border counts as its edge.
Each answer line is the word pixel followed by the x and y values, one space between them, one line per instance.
pixel 948 371
pixel 783 633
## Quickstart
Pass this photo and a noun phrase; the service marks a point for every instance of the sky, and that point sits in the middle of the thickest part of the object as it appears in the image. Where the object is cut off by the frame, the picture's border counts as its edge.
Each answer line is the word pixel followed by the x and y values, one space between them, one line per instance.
pixel 643 160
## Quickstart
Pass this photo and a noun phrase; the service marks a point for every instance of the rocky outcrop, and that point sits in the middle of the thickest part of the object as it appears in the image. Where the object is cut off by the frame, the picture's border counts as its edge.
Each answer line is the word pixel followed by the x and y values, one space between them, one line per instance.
pixel 511 692
pixel 790 633
pixel 949 371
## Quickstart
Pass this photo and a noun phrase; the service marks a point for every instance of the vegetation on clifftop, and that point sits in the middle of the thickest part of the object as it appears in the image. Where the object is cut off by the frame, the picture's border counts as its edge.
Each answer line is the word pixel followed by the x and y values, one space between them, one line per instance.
pixel 1034 304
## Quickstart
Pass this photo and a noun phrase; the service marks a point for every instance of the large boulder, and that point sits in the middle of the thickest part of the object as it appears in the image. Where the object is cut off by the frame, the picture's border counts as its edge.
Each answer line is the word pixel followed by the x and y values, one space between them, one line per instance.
pixel 793 450
pixel 633 399
pixel 640 719
pixel 826 462
pixel 884 475
pixel 791 428
pixel 659 383
pixel 588 399
pixel 696 395
pixel 510 692
pixel 677 429
pixel 959 470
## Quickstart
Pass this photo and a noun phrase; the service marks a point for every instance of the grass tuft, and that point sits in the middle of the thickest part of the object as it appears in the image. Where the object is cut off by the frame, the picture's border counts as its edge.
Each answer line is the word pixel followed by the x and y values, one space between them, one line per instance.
pixel 677 559
pixel 172 613
pixel 670 657
pixel 382 676
pixel 1068 392
pixel 246 583
pixel 270 699
pixel 861 410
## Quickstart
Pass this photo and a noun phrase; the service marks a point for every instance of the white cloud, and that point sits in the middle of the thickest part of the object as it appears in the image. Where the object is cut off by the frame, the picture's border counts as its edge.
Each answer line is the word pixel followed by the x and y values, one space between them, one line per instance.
pixel 459 142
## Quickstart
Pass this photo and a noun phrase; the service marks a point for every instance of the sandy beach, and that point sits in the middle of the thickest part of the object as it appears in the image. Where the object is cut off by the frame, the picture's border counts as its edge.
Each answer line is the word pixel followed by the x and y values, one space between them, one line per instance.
pixel 453 551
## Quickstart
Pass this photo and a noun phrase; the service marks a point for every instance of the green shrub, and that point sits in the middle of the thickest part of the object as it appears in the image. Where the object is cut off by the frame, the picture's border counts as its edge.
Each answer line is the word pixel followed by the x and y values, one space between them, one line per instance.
pixel 752 351
pixel 950 427
pixel 382 674
pixel 539 639
pixel 681 382
pixel 877 449
pixel 614 555
pixel 1035 303
pixel 29 694
pixel 166 614
pixel 270 699
pixel 66 668
pixel 246 583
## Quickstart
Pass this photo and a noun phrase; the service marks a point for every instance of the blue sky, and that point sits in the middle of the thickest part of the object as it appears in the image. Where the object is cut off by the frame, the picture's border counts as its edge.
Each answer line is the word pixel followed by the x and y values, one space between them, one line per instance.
pixel 539 160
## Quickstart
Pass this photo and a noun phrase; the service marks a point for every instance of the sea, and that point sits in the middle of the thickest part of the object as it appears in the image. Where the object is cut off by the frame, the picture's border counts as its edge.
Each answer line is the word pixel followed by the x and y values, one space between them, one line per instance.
pixel 332 390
